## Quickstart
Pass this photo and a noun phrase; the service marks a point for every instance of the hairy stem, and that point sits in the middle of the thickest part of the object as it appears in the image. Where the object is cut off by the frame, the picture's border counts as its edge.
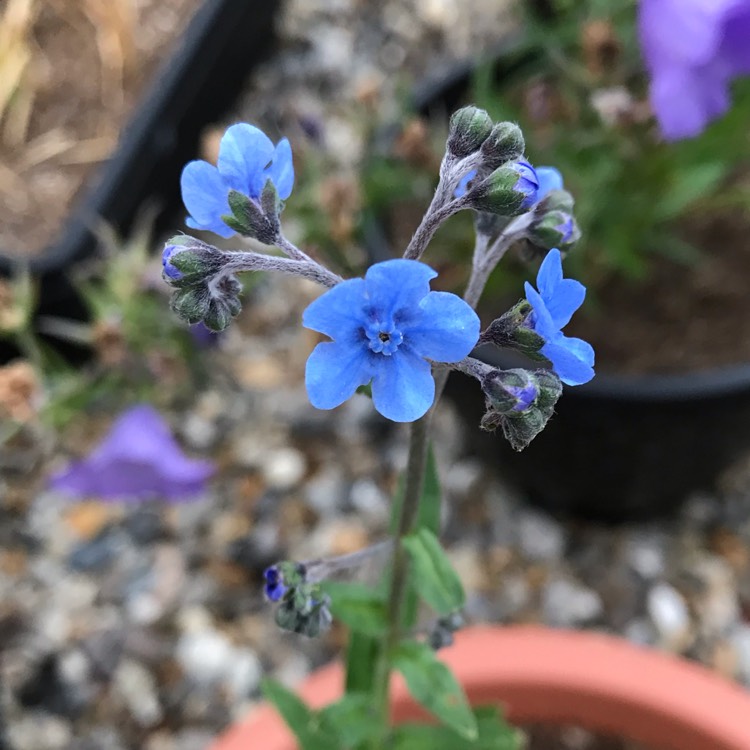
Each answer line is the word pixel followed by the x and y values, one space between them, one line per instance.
pixel 250 261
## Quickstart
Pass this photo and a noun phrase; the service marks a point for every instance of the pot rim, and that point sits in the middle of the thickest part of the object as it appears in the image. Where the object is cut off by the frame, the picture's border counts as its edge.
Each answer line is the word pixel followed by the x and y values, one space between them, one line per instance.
pixel 601 682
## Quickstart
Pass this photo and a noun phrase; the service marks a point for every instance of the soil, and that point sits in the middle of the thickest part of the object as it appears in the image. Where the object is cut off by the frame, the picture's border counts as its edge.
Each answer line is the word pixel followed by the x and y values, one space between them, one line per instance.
pixel 681 318
pixel 88 64
pixel 575 738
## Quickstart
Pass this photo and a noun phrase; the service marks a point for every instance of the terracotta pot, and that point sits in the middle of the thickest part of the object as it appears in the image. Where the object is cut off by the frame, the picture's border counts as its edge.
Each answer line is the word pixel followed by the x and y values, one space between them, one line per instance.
pixel 558 677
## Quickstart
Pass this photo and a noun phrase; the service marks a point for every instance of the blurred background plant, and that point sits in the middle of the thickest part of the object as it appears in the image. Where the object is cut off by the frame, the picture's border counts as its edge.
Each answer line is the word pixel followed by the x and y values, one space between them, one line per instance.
pixel 127 350
pixel 574 80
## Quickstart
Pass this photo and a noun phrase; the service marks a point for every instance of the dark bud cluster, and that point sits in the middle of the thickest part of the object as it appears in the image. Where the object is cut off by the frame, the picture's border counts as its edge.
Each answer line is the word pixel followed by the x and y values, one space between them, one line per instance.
pixel 203 292
pixel 520 402
pixel 303 607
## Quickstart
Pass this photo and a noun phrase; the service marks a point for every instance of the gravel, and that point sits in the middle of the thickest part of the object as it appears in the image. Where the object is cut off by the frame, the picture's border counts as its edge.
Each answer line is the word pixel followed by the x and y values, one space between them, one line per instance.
pixel 143 625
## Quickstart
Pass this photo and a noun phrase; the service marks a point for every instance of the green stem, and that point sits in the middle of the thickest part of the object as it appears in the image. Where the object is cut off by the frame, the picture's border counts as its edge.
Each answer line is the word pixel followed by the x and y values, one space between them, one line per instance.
pixel 415 474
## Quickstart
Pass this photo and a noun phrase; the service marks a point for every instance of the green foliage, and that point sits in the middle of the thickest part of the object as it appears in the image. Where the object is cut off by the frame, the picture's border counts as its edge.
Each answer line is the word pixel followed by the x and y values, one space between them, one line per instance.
pixel 493 733
pixel 433 575
pixel 360 607
pixel 352 718
pixel 433 685
pixel 306 724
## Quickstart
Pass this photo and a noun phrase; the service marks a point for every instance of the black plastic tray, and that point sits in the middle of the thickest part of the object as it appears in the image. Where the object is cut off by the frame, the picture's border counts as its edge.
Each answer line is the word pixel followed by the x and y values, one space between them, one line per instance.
pixel 196 85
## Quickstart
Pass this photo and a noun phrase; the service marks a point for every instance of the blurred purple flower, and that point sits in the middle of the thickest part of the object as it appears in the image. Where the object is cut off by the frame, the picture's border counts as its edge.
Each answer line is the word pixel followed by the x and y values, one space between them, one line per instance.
pixel 204 337
pixel 693 50
pixel 138 459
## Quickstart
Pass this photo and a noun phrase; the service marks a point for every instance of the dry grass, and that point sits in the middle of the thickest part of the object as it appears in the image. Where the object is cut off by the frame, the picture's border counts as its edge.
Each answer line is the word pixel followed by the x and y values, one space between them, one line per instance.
pixel 17 88
pixel 22 62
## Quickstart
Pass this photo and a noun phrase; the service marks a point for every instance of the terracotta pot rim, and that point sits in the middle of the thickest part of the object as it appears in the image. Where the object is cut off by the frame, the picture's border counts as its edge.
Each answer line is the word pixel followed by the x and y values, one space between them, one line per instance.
pixel 597 681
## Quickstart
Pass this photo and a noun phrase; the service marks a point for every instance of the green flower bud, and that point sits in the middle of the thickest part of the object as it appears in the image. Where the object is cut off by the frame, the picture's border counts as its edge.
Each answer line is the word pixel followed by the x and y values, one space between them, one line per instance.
pixel 187 261
pixel 510 331
pixel 554 229
pixel 469 128
pixel 505 143
pixel 509 191
pixel 248 217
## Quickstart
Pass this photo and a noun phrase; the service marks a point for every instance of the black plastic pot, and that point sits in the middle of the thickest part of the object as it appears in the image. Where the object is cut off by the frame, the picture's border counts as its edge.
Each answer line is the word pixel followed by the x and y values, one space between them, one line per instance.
pixel 195 86
pixel 621 448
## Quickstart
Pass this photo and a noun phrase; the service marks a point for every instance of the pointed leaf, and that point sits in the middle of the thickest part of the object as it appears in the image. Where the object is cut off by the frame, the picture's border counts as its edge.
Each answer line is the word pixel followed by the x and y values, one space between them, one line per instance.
pixel 305 724
pixel 434 578
pixel 353 719
pixel 493 734
pixel 433 685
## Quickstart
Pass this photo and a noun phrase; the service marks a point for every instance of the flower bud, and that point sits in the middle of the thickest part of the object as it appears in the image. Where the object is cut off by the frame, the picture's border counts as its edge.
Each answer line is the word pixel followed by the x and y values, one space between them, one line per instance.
pixel 508 191
pixel 511 331
pixel 186 261
pixel 554 229
pixel 214 303
pixel 250 219
pixel 556 200
pixel 509 390
pixel 505 143
pixel 520 402
pixel 469 128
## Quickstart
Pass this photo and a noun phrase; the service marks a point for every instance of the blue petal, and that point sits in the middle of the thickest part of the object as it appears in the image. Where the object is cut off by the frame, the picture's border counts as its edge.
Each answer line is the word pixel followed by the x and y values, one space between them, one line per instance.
pixel 334 371
pixel 397 285
pixel 281 170
pixel 244 152
pixel 204 194
pixel 403 388
pixel 445 330
pixel 339 313
pixel 463 183
pixel 562 297
pixel 549 179
pixel 543 323
pixel 572 359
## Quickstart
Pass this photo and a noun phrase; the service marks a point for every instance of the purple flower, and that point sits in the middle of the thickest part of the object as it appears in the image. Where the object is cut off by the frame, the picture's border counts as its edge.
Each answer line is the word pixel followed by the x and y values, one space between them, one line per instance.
pixel 693 50
pixel 535 183
pixel 385 328
pixel 138 459
pixel 247 159
pixel 527 183
pixel 553 306
pixel 526 395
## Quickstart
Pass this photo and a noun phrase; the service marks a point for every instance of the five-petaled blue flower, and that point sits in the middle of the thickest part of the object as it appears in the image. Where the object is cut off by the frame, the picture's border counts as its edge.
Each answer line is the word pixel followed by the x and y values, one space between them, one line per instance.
pixel 553 306
pixel 247 159
pixel 385 328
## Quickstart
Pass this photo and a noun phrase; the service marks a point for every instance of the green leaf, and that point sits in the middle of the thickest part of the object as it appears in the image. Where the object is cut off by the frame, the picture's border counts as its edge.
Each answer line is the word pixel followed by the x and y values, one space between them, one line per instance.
pixel 304 722
pixel 362 656
pixel 433 685
pixel 493 734
pixel 434 577
pixel 353 719
pixel 360 607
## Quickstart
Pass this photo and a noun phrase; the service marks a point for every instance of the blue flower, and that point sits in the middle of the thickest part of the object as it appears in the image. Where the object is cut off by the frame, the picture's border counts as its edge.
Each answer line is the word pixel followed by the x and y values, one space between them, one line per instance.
pixel 553 306
pixel 385 328
pixel 549 179
pixel 247 159
pixel 274 587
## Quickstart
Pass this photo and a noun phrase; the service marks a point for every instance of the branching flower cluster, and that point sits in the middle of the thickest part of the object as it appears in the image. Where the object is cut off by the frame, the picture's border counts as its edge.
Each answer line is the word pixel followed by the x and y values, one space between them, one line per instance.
pixel 390 335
